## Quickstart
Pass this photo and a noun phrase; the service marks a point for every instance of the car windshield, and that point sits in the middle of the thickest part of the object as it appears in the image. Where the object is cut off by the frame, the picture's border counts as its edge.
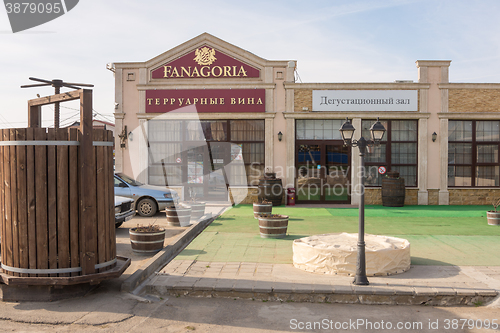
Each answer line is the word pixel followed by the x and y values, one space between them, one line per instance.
pixel 129 180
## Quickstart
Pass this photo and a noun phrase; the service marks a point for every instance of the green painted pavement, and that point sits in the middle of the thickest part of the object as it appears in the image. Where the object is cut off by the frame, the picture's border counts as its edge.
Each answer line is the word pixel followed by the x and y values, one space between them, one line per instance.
pixel 439 235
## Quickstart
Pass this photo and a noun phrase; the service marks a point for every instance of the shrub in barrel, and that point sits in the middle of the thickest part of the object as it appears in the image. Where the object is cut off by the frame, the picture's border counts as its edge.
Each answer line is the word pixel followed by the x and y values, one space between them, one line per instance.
pixel 262 207
pixel 271 188
pixel 273 225
pixel 147 239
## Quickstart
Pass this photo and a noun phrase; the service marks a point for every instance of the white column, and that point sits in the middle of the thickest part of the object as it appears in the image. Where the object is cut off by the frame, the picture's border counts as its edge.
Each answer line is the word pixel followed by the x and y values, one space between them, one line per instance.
pixel 118 150
pixel 269 144
pixel 142 161
pixel 444 194
pixel 119 115
pixel 290 152
pixel 423 194
pixel 355 164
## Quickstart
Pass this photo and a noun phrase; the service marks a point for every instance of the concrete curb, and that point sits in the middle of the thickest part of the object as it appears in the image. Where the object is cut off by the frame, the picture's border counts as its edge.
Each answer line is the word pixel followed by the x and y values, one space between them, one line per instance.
pixel 165 255
pixel 272 293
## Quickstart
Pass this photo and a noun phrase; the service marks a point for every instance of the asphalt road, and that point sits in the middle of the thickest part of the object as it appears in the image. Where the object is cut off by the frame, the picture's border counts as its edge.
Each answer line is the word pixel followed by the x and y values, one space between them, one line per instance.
pixel 107 309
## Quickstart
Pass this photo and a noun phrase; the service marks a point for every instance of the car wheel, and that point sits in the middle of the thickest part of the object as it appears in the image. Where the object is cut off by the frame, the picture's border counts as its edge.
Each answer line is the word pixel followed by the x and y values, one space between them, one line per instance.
pixel 146 207
pixel 117 225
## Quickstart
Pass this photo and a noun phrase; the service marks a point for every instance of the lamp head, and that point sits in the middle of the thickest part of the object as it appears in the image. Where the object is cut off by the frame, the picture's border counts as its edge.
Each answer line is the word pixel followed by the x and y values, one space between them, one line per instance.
pixel 347 131
pixel 377 131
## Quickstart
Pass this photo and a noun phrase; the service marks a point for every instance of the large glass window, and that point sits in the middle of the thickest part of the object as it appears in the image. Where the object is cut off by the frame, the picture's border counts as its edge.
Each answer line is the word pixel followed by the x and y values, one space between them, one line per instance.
pixel 473 153
pixel 170 139
pixel 326 129
pixel 249 135
pixel 397 151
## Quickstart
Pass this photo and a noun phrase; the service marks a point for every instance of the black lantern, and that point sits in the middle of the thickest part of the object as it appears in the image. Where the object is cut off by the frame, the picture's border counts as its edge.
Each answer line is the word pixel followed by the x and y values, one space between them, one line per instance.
pixel 347 131
pixel 280 136
pixel 377 131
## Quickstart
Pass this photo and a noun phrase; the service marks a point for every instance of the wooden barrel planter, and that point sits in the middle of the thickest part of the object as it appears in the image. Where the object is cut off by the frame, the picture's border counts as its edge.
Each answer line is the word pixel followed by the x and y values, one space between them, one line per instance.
pixel 273 225
pixel 57 212
pixel 178 216
pixel 493 218
pixel 271 189
pixel 148 242
pixel 197 209
pixel 393 190
pixel 261 208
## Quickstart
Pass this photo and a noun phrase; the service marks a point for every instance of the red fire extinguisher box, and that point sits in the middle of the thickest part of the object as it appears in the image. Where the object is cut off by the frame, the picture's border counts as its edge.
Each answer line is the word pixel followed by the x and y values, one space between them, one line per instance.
pixel 290 196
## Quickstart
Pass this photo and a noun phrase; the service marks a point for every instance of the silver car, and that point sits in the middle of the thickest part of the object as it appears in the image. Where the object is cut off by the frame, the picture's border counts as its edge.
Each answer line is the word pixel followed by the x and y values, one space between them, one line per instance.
pixel 148 199
pixel 124 210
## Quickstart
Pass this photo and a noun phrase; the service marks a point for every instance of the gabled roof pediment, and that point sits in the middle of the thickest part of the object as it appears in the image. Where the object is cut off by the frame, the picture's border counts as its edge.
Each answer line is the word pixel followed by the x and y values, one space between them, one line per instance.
pixel 210 41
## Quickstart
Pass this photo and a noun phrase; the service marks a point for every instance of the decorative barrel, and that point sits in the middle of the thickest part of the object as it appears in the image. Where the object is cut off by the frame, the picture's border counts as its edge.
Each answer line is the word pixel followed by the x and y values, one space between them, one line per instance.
pixel 146 242
pixel 393 190
pixel 178 216
pixel 271 189
pixel 273 226
pixel 41 204
pixel 493 218
pixel 261 208
pixel 197 210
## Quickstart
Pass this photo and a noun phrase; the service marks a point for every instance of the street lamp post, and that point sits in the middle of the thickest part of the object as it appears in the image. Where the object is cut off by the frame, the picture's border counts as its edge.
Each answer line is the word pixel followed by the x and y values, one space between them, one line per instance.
pixel 377 133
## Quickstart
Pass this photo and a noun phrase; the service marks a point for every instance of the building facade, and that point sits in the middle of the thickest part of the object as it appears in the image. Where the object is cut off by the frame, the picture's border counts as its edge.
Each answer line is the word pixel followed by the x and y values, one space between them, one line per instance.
pixel 187 115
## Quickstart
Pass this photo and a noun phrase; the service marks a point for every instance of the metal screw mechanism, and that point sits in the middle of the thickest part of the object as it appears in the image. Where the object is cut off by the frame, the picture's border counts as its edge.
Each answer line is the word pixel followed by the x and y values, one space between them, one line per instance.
pixel 57 84
pixel 377 132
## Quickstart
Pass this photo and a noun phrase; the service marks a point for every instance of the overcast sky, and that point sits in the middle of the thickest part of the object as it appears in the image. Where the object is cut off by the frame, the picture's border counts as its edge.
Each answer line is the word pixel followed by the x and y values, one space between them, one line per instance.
pixel 332 41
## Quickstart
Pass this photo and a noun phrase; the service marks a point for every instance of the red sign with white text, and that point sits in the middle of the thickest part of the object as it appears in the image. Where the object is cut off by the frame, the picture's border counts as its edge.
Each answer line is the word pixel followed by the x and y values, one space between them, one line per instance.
pixel 206 100
pixel 205 62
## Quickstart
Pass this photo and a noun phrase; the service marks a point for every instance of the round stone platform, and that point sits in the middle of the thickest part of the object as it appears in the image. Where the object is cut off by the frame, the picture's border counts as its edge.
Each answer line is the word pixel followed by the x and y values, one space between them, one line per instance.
pixel 337 254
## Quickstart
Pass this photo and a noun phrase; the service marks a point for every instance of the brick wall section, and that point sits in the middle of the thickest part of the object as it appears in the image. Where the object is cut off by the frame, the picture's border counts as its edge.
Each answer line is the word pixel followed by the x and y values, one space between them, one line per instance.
pixel 474 100
pixel 302 98
pixel 473 196
pixel 373 196
pixel 433 196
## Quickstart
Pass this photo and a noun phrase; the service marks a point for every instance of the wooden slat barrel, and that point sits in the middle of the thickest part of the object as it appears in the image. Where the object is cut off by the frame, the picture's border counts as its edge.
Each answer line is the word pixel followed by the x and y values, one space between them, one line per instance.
pixel 273 226
pixel 493 218
pixel 40 202
pixel 393 190
pixel 179 216
pixel 262 208
pixel 146 242
pixel 197 210
pixel 271 189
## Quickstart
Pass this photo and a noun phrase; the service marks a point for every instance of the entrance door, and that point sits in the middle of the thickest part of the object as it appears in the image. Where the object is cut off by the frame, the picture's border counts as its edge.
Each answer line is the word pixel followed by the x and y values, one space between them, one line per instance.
pixel 323 172
pixel 206 179
pixel 217 179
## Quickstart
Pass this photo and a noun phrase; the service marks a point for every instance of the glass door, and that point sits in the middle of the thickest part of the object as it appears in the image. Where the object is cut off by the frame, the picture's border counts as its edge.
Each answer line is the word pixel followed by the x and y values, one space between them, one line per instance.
pixel 323 172
pixel 337 177
pixel 196 158
pixel 309 178
pixel 220 155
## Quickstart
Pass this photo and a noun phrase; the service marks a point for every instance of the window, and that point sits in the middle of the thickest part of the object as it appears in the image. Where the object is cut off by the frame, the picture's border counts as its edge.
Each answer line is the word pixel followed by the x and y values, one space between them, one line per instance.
pixel 325 129
pixel 249 135
pixel 397 151
pixel 473 153
pixel 172 142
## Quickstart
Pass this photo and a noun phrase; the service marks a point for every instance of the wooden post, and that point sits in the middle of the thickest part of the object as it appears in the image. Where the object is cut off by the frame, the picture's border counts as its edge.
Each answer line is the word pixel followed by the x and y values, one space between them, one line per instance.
pixel 22 201
pixel 74 226
pixel 31 192
pixel 34 115
pixel 88 227
pixel 63 241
